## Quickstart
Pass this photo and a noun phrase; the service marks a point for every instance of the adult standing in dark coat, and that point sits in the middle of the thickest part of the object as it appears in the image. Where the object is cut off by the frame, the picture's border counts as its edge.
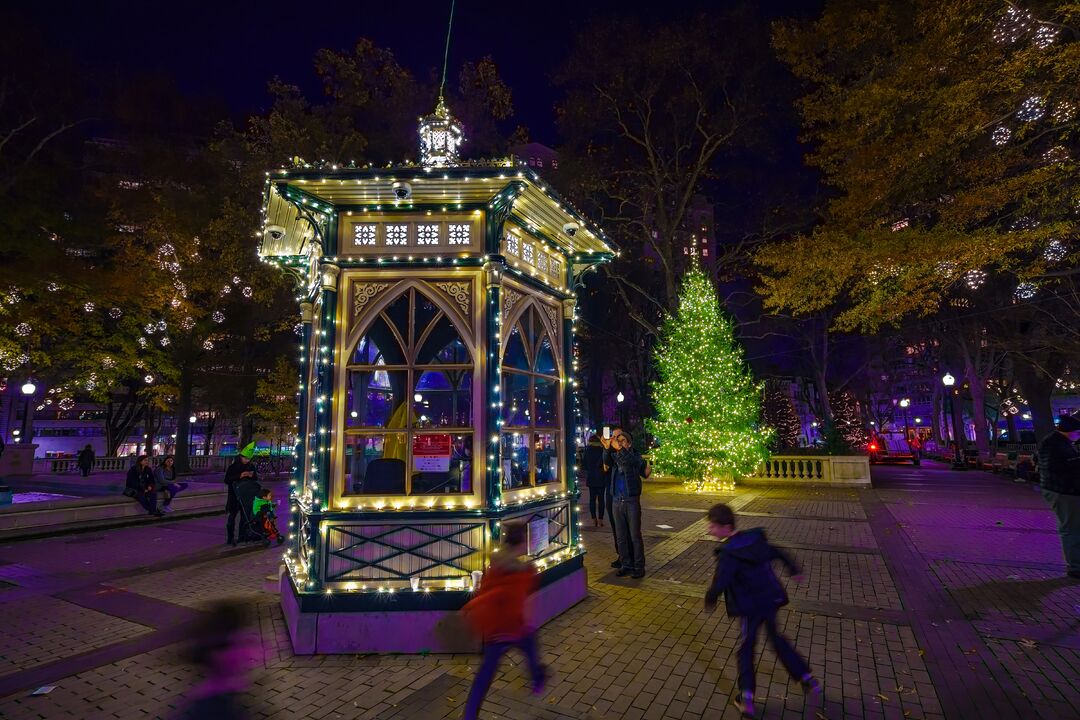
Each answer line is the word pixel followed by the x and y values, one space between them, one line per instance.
pixel 1059 474
pixel 596 479
pixel 626 475
pixel 86 460
pixel 242 469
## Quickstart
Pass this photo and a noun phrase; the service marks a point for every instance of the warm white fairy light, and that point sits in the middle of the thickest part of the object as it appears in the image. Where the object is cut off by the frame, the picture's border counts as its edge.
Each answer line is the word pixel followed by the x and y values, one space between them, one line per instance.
pixel 975 278
pixel 1055 251
pixel 1032 109
pixel 23 329
pixel 1001 135
pixel 1025 291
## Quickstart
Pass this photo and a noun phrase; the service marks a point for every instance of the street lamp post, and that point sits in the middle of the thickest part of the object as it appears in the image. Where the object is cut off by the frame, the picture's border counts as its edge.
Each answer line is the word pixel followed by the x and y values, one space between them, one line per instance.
pixel 948 381
pixel 28 390
pixel 191 435
pixel 905 403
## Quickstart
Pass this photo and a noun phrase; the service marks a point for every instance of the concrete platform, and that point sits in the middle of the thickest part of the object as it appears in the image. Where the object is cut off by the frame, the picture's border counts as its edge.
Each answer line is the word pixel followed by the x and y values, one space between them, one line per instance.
pixel 408 622
pixel 36 519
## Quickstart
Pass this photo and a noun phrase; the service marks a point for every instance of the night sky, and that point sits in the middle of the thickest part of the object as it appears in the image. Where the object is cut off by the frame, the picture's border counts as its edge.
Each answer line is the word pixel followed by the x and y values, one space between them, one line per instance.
pixel 230 50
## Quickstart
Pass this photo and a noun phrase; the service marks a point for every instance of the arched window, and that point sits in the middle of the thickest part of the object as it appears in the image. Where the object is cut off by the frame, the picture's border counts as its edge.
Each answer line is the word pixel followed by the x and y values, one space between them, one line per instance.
pixel 408 403
pixel 531 404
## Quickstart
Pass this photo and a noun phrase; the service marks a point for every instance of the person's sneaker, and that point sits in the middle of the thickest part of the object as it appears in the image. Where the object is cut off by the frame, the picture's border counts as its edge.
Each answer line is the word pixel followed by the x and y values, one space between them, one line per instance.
pixel 745 703
pixel 616 564
pixel 637 574
pixel 541 682
pixel 622 572
pixel 810 685
pixel 158 513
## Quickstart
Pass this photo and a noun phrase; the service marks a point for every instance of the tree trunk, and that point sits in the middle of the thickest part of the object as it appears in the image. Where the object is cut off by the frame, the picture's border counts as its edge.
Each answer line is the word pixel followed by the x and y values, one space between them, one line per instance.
pixel 1038 388
pixel 978 413
pixel 120 418
pixel 183 425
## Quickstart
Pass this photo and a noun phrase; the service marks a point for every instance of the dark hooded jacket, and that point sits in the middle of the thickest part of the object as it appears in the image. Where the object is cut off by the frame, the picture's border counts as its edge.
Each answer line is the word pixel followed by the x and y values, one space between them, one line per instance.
pixel 595 477
pixel 744 575
pixel 1059 465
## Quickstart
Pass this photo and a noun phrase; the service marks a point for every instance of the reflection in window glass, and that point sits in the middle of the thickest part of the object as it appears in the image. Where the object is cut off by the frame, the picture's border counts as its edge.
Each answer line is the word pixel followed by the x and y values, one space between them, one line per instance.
pixel 442 398
pixel 515 398
pixel 547 458
pixel 443 345
pixel 376 398
pixel 515 355
pixel 545 359
pixel 515 460
pixel 442 463
pixel 379 346
pixel 424 311
pixel 545 411
pixel 375 464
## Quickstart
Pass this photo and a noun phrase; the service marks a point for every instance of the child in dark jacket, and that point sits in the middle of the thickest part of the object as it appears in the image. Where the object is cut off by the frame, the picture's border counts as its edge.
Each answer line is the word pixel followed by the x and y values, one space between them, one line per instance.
pixel 752 592
pixel 499 612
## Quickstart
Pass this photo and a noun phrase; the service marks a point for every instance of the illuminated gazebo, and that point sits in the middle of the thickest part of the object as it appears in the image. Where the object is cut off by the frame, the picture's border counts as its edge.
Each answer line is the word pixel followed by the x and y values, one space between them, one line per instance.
pixel 436 390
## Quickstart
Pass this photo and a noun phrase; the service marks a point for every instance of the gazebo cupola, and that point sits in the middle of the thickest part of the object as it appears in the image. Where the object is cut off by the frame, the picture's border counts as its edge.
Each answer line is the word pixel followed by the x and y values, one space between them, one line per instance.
pixel 441 136
pixel 436 388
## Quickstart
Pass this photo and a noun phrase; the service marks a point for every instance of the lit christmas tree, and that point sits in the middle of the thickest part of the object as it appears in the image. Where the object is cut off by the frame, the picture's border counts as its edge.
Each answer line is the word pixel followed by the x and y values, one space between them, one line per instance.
pixel 848 432
pixel 706 400
pixel 778 413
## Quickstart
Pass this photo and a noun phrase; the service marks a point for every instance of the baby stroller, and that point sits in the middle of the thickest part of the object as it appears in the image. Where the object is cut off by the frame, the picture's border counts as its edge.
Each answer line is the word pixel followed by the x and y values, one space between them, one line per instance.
pixel 246 492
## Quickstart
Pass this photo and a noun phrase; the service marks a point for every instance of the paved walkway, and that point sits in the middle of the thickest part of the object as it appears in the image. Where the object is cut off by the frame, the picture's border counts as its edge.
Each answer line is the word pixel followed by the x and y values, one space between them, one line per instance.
pixel 936 594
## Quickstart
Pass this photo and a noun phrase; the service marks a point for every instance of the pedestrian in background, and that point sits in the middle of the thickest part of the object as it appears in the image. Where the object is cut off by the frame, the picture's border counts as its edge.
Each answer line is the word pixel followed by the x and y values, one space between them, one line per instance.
pixel 140 485
pixel 609 463
pixel 752 592
pixel 1059 475
pixel 499 613
pixel 165 482
pixel 627 472
pixel 241 469
pixel 86 460
pixel 596 479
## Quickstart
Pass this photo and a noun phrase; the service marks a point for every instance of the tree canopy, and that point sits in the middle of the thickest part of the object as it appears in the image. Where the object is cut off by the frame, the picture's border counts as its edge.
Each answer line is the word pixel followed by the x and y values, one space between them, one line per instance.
pixel 948 131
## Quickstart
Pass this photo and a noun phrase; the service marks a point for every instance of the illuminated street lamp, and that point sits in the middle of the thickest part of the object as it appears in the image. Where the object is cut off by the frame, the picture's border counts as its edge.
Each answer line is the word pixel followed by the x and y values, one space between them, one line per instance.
pixel 29 388
pixel 948 381
pixel 620 397
pixel 906 403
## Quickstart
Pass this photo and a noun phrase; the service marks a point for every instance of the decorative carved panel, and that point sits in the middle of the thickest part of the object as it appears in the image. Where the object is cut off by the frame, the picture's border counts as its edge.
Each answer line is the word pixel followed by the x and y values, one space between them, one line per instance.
pixel 510 299
pixel 460 292
pixel 553 318
pixel 365 292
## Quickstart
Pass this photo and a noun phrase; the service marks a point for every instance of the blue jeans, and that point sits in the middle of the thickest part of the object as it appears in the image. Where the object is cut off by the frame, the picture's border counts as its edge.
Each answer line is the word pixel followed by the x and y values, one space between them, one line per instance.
pixel 493 653
pixel 790 658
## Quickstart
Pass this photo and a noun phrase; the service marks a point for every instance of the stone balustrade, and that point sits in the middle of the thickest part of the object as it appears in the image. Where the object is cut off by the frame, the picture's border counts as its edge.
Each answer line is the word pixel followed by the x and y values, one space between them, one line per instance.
pixel 851 470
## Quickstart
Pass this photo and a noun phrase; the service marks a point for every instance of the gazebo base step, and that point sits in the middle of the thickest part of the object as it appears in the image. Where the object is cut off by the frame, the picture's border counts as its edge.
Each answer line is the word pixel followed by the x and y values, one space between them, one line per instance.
pixel 413 630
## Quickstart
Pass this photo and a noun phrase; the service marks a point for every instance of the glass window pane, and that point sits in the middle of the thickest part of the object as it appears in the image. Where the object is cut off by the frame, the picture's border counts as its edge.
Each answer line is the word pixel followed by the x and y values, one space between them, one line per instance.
pixel 514 355
pixel 547 458
pixel 423 313
pixel 545 358
pixel 515 460
pixel 442 398
pixel 443 346
pixel 379 346
pixel 376 398
pixel 375 464
pixel 546 393
pixel 536 326
pixel 515 398
pixel 397 313
pixel 442 463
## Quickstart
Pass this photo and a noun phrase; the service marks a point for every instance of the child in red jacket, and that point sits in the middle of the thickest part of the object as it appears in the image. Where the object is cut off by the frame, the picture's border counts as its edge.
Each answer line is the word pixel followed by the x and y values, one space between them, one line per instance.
pixel 498 613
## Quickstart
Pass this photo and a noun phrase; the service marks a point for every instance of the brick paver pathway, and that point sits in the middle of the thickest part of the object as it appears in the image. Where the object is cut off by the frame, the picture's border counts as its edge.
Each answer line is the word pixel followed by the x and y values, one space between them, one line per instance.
pixel 934 595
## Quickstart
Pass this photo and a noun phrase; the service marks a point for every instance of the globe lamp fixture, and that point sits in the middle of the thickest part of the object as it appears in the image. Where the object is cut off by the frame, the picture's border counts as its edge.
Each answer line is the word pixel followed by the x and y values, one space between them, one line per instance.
pixel 29 388
pixel 948 380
